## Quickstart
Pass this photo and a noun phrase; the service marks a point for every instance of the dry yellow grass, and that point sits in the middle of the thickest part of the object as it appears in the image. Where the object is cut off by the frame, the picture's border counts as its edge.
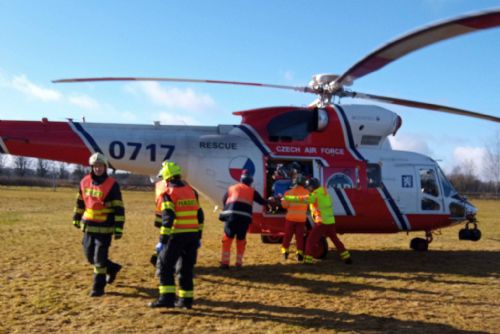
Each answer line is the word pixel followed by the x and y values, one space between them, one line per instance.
pixel 44 279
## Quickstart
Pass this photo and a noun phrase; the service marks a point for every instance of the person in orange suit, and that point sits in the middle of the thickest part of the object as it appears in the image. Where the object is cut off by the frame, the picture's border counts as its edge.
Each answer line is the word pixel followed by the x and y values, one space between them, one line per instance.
pixel 321 207
pixel 295 219
pixel 237 217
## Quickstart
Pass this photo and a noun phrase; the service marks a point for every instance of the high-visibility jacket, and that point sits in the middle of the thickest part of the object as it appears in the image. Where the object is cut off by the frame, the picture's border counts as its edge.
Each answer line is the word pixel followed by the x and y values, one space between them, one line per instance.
pixel 160 189
pixel 183 202
pixel 239 203
pixel 93 196
pixel 320 204
pixel 296 212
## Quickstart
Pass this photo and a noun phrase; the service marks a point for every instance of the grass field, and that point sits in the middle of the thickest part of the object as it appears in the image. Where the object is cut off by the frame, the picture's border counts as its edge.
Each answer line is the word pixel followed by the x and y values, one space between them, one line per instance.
pixel 45 280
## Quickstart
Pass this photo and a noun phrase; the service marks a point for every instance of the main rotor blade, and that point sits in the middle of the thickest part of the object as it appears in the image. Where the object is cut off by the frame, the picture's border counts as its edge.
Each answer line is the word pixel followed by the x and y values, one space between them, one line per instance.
pixel 417 40
pixel 254 84
pixel 423 105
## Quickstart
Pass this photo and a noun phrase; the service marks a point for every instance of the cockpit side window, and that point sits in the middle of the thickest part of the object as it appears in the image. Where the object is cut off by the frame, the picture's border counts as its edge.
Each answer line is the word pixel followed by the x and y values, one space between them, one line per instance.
pixel 428 182
pixel 293 125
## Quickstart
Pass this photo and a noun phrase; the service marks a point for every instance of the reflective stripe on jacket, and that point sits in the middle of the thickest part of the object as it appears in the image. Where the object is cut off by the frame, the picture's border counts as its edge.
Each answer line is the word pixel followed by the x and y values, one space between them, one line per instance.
pixel 321 206
pixel 296 212
pixel 239 202
pixel 185 206
pixel 93 196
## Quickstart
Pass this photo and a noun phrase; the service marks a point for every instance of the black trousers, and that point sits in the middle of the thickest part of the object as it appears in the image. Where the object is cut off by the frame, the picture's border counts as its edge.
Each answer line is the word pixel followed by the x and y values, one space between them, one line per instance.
pixel 96 250
pixel 182 246
pixel 236 228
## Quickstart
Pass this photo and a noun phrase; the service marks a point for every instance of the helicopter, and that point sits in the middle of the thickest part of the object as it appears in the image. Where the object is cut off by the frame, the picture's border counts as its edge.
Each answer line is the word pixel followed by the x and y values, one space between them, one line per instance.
pixel 375 189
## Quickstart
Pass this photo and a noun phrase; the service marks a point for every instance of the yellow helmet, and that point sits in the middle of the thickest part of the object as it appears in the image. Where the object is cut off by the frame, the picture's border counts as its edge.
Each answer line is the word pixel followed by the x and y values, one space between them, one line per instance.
pixel 169 169
pixel 98 158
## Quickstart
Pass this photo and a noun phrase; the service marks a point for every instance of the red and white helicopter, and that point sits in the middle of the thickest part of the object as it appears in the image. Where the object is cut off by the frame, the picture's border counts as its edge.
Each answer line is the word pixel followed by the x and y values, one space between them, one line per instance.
pixel 375 189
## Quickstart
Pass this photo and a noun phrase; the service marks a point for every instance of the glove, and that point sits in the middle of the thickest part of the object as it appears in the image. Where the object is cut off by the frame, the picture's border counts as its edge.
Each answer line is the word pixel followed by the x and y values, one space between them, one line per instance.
pixel 118 233
pixel 153 259
pixel 159 247
pixel 76 223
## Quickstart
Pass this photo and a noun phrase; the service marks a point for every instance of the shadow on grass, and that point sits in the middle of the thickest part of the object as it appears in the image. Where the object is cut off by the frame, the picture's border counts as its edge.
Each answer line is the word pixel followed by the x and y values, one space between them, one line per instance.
pixel 366 263
pixel 387 265
pixel 139 292
pixel 316 318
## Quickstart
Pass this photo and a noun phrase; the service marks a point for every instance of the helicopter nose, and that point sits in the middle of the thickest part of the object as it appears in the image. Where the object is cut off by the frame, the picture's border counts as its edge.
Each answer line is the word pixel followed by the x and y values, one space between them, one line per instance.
pixel 470 210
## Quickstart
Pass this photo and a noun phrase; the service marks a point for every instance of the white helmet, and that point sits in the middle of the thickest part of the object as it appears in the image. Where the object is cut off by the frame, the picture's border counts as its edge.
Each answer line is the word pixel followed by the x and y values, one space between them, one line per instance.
pixel 98 157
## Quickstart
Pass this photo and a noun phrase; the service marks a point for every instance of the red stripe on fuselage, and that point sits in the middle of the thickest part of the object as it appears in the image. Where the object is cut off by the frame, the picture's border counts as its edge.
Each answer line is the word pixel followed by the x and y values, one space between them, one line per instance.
pixel 372 213
pixel 428 222
pixel 45 140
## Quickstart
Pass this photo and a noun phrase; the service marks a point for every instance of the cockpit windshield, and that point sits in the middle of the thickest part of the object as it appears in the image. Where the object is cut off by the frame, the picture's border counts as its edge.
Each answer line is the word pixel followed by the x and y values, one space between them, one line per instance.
pixel 448 188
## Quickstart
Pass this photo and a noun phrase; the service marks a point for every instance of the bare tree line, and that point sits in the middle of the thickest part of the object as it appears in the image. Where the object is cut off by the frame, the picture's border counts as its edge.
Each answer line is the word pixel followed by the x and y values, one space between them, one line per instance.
pixel 49 173
pixel 22 166
pixel 465 177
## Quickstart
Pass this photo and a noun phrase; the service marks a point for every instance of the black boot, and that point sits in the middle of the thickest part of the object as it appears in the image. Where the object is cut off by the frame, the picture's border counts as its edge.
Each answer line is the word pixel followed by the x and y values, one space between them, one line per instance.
pixel 113 269
pixel 96 293
pixel 165 300
pixel 99 284
pixel 300 257
pixel 186 303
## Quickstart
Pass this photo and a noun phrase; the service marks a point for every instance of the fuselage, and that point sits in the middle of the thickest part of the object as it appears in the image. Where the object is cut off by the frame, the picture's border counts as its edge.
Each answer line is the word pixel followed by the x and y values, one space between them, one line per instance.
pixel 375 189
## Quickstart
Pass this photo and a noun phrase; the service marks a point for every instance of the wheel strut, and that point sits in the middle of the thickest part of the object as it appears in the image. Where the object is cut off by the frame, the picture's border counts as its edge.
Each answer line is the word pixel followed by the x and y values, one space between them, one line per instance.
pixel 428 236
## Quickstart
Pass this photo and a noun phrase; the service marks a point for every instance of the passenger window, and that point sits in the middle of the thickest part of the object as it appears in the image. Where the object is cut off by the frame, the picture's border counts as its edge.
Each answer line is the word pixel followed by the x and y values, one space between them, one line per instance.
pixel 293 125
pixel 373 175
pixel 428 182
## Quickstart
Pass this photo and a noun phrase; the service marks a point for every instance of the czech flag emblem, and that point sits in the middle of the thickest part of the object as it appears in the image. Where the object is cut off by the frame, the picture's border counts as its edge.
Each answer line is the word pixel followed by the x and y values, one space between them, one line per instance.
pixel 238 165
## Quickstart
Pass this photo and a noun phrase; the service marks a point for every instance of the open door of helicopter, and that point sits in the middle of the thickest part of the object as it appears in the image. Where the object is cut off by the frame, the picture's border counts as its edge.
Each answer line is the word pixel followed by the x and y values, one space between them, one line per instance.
pixel 280 174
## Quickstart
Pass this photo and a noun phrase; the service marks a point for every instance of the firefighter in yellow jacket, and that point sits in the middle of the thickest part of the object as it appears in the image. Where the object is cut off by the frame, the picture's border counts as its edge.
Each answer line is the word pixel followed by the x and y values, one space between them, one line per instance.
pixel 99 212
pixel 180 234
pixel 295 219
pixel 321 206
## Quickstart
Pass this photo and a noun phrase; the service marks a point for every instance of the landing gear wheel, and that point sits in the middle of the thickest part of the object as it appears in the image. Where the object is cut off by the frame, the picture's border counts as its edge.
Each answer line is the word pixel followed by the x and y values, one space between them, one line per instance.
pixel 475 234
pixel 321 249
pixel 419 244
pixel 271 239
pixel 467 233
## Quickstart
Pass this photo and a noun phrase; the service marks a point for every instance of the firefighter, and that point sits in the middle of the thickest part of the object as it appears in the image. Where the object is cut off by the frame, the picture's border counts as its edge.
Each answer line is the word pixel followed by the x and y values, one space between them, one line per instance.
pixel 321 207
pixel 237 217
pixel 180 234
pixel 295 219
pixel 99 212
pixel 160 189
